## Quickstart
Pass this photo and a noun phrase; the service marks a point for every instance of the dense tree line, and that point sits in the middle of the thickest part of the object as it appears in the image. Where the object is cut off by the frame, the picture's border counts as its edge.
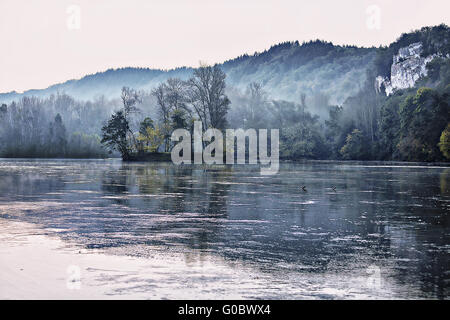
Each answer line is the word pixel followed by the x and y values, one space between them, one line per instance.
pixel 179 103
pixel 57 126
pixel 433 39
pixel 409 125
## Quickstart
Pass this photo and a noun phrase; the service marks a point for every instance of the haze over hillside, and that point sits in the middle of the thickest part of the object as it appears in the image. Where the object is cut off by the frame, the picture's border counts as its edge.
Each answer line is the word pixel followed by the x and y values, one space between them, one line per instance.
pixel 286 71
pixel 338 102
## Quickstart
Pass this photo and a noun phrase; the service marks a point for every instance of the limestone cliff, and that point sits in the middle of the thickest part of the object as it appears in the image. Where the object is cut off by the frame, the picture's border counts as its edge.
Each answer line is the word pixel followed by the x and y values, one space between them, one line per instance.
pixel 408 66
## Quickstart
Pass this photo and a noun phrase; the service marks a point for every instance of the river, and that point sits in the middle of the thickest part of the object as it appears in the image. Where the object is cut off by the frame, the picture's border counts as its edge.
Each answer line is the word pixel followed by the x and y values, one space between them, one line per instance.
pixel 377 230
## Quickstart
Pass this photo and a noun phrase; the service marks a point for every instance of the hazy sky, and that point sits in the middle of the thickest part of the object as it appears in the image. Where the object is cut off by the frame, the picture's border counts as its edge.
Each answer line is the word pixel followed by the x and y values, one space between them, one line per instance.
pixel 43 42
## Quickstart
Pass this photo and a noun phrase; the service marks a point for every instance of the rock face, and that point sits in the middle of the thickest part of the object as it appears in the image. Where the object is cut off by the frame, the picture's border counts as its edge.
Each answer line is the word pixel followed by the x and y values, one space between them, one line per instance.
pixel 407 67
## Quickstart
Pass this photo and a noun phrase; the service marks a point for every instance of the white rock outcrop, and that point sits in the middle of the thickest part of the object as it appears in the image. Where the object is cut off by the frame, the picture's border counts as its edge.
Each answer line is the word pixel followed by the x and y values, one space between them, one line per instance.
pixel 408 66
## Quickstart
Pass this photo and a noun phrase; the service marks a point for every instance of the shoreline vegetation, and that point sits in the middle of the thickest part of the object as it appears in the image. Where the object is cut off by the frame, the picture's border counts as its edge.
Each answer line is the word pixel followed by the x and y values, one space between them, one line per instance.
pixel 409 125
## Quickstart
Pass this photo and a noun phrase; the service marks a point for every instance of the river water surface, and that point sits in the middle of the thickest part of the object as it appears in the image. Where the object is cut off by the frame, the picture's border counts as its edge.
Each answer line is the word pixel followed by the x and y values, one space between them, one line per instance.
pixel 383 232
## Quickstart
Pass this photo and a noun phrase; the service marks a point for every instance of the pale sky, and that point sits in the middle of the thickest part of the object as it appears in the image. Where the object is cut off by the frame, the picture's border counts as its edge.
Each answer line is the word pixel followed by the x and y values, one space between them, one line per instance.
pixel 43 42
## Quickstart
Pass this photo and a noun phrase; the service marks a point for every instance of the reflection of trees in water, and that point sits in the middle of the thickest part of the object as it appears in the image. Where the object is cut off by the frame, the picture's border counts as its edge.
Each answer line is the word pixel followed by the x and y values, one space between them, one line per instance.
pixel 23 185
pixel 445 178
pixel 116 183
pixel 407 207
pixel 369 201
pixel 214 208
pixel 182 205
pixel 424 229
pixel 318 228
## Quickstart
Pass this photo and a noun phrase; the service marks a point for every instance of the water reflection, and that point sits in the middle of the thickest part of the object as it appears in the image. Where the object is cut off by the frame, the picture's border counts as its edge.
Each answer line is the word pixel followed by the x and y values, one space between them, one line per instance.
pixel 390 216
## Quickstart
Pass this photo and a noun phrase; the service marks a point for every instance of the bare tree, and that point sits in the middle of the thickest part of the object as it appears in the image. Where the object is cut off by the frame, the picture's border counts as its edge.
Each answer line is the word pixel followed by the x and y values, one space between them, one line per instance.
pixel 170 97
pixel 176 94
pixel 255 106
pixel 160 93
pixel 130 99
pixel 207 96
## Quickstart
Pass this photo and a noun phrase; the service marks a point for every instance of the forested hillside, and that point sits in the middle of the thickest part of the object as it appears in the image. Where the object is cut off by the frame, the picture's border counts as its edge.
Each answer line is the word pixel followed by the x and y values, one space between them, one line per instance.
pixel 286 70
pixel 323 98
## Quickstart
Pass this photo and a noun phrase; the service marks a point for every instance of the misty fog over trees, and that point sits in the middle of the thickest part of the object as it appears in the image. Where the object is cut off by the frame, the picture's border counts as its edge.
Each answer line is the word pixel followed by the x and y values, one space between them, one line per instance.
pixel 409 125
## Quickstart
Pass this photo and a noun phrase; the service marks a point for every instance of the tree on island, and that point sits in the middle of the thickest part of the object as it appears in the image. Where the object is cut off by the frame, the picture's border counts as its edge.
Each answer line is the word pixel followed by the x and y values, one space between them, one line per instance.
pixel 114 134
pixel 207 96
pixel 152 138
pixel 444 143
pixel 130 99
pixel 171 97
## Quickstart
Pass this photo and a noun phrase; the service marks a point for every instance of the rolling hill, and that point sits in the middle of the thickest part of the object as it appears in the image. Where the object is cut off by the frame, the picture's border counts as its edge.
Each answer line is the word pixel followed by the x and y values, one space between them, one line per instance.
pixel 286 70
